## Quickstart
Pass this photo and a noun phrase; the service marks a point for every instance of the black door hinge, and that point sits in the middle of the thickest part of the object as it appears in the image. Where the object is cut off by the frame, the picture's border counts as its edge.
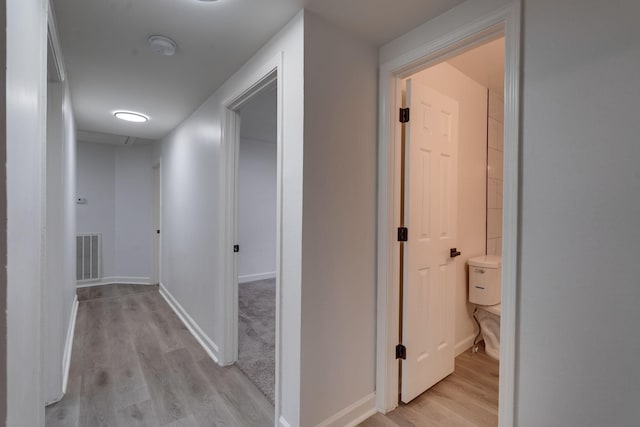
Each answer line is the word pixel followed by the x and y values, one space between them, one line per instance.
pixel 236 248
pixel 404 115
pixel 401 352
pixel 157 231
pixel 403 234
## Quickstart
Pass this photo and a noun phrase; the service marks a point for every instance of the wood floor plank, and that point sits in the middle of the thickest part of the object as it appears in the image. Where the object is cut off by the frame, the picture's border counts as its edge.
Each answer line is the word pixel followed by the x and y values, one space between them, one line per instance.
pixel 467 398
pixel 139 414
pixel 134 363
pixel 168 404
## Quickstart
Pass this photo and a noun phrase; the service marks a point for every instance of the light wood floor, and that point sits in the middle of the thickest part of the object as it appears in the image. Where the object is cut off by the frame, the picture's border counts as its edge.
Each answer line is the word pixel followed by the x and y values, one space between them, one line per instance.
pixel 135 364
pixel 468 397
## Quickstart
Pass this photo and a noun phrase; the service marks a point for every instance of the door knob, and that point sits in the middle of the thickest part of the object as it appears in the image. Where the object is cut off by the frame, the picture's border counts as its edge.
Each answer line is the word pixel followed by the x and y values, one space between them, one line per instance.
pixel 454 252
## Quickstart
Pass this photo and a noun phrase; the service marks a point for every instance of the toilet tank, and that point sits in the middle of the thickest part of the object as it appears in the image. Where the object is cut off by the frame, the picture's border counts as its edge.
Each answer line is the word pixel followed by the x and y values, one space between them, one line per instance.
pixel 485 278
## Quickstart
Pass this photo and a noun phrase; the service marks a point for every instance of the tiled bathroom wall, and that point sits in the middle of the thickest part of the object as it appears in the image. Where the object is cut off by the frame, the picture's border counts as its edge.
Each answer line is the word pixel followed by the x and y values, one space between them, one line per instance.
pixel 494 173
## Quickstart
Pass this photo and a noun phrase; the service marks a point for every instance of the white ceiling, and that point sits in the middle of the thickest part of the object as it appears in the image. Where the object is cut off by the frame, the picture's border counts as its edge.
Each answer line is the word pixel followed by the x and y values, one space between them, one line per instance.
pixel 110 66
pixel 484 64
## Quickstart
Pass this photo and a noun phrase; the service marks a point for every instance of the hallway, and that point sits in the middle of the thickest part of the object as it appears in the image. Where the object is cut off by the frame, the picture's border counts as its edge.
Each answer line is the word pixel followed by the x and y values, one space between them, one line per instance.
pixel 134 363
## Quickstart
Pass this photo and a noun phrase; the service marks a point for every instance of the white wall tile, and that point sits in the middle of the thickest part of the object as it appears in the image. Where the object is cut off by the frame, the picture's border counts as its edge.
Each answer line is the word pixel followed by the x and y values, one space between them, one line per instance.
pixel 493 134
pixel 496 107
pixel 494 193
pixel 495 164
pixel 494 223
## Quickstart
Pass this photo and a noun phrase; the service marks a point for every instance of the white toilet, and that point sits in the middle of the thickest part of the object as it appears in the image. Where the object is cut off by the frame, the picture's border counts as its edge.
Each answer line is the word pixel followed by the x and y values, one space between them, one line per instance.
pixel 485 277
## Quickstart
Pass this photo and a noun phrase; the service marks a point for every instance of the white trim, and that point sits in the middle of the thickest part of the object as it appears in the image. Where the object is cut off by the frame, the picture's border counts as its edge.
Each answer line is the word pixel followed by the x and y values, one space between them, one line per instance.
pixel 282 422
pixel 156 276
pixel 68 347
pixel 117 280
pixel 271 71
pixel 209 346
pixel 54 46
pixel 505 20
pixel 254 277
pixel 464 344
pixel 353 414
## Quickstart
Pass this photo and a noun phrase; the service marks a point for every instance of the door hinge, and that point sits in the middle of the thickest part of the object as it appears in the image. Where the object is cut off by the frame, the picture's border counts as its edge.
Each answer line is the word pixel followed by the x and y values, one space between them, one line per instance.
pixel 157 231
pixel 404 115
pixel 236 248
pixel 401 352
pixel 403 234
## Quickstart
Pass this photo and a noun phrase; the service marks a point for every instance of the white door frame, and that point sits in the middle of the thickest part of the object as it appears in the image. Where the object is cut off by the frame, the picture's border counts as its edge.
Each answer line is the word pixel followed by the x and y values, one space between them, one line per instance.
pixel 506 21
pixel 271 72
pixel 157 263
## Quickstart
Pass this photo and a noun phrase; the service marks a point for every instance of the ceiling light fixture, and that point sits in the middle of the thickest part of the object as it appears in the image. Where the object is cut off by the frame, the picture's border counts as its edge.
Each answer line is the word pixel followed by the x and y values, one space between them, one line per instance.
pixel 162 45
pixel 130 116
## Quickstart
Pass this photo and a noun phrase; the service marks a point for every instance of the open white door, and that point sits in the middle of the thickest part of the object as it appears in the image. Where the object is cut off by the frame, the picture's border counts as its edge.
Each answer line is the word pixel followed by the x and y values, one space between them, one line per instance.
pixel 431 138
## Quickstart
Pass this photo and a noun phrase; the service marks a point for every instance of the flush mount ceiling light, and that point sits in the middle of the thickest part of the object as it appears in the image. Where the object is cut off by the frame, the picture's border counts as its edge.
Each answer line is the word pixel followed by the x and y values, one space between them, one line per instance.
pixel 162 45
pixel 130 116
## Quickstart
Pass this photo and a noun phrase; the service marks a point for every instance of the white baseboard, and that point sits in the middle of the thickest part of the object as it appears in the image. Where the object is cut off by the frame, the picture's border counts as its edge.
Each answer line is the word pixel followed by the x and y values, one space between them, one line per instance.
pixel 464 344
pixel 68 346
pixel 353 414
pixel 209 346
pixel 282 422
pixel 116 280
pixel 253 277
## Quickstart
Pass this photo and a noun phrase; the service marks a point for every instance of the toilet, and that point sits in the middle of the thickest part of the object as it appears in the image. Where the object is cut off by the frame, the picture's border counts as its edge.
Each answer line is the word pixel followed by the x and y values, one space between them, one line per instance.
pixel 485 276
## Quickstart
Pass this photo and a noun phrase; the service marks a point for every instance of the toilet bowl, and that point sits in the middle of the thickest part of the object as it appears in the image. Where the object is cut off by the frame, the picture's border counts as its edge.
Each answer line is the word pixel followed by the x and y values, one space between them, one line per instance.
pixel 484 291
pixel 489 320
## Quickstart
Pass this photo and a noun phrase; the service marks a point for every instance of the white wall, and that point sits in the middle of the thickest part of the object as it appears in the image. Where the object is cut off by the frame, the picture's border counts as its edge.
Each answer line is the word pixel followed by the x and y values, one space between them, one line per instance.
pixel 26 123
pixel 256 209
pixel 578 314
pixel 339 246
pixel 472 173
pixel 117 183
pixel 193 205
pixel 133 257
pixel 96 182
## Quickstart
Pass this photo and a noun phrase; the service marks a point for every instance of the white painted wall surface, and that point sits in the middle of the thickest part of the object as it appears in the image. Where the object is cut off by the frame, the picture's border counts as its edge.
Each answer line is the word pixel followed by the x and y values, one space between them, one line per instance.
pixel 26 133
pixel 339 228
pixel 256 208
pixel 192 207
pixel 472 173
pixel 578 314
pixel 117 183
pixel 96 182
pixel 133 257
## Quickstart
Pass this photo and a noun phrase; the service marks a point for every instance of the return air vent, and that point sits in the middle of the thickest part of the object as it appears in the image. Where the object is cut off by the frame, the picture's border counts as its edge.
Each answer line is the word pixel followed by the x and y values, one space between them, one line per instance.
pixel 88 257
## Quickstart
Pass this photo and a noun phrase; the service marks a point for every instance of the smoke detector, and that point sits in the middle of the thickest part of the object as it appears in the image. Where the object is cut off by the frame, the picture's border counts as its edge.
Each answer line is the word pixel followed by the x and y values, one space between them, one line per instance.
pixel 162 45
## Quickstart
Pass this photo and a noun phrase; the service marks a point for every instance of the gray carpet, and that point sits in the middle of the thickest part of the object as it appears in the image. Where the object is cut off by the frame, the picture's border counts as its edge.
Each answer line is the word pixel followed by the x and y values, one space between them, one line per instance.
pixel 257 333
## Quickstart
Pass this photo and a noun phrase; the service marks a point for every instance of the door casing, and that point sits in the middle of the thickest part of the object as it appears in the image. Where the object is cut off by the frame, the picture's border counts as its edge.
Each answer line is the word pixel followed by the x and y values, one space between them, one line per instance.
pixel 504 21
pixel 271 72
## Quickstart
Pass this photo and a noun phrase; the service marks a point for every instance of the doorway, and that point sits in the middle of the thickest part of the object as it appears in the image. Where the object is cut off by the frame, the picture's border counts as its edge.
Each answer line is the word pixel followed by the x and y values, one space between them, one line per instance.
pixel 452 209
pixel 263 88
pixel 395 266
pixel 257 224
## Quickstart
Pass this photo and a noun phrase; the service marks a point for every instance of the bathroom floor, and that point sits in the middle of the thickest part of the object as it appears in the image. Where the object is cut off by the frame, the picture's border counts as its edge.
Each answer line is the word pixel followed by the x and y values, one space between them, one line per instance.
pixel 468 397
